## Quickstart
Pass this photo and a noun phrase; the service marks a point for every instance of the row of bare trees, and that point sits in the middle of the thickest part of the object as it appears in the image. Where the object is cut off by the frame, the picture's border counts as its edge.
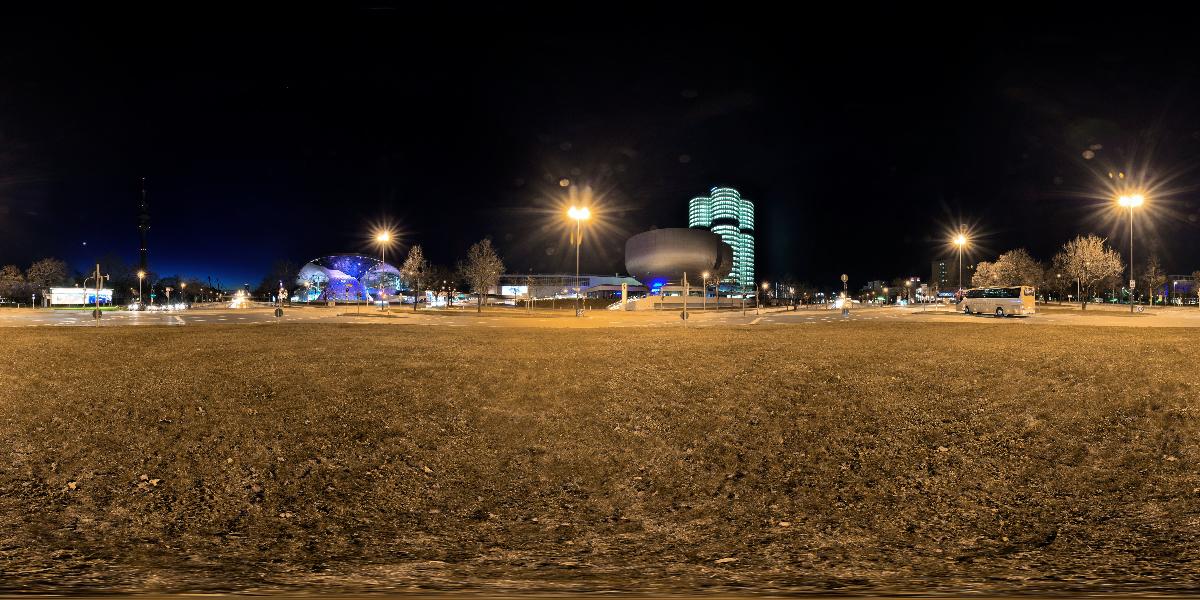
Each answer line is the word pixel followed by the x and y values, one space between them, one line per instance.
pixel 18 285
pixel 481 271
pixel 1086 263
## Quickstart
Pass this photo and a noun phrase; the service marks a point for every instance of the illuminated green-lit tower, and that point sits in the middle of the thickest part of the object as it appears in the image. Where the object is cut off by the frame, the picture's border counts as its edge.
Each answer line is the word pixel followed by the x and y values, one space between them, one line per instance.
pixel 726 213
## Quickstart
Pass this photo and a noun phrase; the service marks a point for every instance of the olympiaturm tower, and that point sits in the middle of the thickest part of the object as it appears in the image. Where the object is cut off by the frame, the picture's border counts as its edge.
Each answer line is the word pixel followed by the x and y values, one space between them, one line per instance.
pixel 724 212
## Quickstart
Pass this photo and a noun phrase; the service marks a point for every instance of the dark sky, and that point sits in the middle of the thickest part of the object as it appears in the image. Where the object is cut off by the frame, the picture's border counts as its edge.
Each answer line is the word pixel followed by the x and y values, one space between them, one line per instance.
pixel 862 136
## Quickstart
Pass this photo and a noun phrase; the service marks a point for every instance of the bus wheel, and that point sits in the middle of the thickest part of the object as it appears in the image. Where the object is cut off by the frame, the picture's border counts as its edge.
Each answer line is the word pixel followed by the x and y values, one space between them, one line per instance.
pixel 999 312
pixel 966 309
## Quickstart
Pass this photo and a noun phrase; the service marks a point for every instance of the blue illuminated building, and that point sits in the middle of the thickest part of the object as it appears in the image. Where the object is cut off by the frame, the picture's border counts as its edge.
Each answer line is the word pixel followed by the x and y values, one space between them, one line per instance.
pixel 347 277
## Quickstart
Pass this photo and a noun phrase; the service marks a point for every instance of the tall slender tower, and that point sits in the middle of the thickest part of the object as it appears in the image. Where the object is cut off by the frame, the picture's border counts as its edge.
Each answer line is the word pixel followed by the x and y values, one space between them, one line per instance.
pixel 143 225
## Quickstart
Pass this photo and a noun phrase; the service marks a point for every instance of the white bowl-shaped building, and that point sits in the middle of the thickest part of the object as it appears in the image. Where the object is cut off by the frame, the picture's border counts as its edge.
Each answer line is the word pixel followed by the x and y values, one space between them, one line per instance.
pixel 662 256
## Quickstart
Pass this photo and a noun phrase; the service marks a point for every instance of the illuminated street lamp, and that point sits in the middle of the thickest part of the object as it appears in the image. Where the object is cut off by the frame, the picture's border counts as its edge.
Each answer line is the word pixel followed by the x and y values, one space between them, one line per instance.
pixel 579 215
pixel 960 240
pixel 1131 201
pixel 704 291
pixel 908 291
pixel 141 275
pixel 183 291
pixel 885 295
pixel 384 239
pixel 758 301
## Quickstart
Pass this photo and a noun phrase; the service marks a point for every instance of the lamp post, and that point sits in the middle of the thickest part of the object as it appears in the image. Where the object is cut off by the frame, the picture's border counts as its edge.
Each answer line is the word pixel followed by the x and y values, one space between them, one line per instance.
pixel 383 238
pixel 183 291
pixel 960 240
pixel 579 215
pixel 758 298
pixel 908 291
pixel 141 275
pixel 1131 201
pixel 704 291
pixel 885 295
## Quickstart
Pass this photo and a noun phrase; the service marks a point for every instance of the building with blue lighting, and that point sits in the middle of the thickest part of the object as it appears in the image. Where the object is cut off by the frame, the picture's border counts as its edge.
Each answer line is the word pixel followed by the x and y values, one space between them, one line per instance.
pixel 726 213
pixel 348 277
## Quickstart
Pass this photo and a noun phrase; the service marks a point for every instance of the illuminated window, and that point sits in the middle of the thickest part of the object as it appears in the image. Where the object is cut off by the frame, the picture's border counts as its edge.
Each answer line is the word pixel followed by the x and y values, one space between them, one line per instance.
pixel 725 213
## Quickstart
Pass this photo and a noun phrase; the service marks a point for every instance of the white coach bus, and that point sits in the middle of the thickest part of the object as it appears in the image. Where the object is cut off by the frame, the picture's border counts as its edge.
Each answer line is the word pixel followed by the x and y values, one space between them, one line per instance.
pixel 999 301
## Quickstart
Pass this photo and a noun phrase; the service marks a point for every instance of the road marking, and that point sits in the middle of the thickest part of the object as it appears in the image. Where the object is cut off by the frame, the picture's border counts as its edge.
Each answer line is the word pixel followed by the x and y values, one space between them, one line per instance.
pixel 755 321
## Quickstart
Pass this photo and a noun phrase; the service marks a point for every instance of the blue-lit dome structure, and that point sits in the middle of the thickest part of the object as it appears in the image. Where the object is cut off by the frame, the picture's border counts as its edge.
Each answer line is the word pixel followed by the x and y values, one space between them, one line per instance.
pixel 347 277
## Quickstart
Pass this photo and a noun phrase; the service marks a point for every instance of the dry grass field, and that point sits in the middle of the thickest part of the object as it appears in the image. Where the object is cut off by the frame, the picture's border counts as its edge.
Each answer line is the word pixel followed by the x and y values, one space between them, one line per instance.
pixel 847 457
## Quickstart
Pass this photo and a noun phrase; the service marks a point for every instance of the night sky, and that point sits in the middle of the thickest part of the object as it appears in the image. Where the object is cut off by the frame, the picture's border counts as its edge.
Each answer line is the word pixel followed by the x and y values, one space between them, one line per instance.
pixel 863 136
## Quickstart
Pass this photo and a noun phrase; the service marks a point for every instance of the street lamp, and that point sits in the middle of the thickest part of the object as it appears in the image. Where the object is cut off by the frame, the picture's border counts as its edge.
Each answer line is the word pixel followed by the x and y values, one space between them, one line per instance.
pixel 704 291
pixel 908 291
pixel 1131 201
pixel 758 300
pixel 579 215
pixel 384 239
pixel 141 275
pixel 183 291
pixel 885 295
pixel 960 240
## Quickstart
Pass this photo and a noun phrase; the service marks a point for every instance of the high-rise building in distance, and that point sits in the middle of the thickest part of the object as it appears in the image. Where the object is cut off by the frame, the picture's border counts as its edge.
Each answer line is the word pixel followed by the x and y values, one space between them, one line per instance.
pixel 726 213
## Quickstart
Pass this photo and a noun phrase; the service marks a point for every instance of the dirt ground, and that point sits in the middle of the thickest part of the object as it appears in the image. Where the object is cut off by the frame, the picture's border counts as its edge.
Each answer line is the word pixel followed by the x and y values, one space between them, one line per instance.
pixel 835 458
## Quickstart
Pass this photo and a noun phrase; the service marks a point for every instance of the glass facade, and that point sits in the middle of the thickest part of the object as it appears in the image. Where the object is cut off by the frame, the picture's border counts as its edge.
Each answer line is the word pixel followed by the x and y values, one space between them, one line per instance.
pixel 347 277
pixel 726 213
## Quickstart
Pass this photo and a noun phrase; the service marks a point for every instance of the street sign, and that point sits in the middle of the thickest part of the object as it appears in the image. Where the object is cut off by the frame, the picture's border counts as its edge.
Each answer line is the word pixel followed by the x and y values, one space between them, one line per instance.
pixel 1132 283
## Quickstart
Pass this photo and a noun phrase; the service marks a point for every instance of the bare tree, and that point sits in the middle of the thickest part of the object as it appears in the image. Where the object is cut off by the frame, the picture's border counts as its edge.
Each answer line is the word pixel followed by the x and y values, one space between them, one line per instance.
pixel 986 275
pixel 1087 260
pixel 46 273
pixel 1153 276
pixel 283 273
pixel 482 270
pixel 1017 267
pixel 413 271
pixel 12 282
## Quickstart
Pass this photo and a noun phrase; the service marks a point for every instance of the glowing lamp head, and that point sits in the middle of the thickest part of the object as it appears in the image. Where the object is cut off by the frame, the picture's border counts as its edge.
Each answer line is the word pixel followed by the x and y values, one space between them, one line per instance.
pixel 764 285
pixel 141 274
pixel 384 237
pixel 579 214
pixel 1131 200
pixel 960 240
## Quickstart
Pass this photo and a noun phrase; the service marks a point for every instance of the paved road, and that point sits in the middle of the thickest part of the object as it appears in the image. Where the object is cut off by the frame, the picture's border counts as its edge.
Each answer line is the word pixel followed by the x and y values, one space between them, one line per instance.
pixel 1168 317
